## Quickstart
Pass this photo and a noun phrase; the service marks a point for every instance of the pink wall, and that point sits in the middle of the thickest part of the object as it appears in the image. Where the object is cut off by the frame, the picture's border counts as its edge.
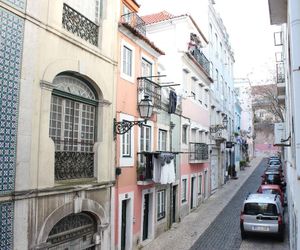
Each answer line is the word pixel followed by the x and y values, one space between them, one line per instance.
pixel 195 112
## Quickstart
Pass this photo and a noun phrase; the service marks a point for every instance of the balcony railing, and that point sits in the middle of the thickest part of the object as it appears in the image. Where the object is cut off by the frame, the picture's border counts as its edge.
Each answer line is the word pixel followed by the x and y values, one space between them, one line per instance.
pixel 280 73
pixel 135 22
pixel 201 59
pixel 149 88
pixel 74 161
pixel 79 25
pixel 198 152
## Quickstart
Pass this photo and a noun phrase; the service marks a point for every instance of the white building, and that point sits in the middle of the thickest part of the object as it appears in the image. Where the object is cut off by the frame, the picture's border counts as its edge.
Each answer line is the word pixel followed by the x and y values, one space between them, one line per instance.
pixel 287 14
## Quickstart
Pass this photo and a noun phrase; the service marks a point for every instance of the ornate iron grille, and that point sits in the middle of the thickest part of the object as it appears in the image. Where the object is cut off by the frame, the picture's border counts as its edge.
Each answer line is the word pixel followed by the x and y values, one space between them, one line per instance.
pixel 71 227
pixel 72 164
pixel 201 59
pixel 151 89
pixel 198 151
pixel 135 22
pixel 79 25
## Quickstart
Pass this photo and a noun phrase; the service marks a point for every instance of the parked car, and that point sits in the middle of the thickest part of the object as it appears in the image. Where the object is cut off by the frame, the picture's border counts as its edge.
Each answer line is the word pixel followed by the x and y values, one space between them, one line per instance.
pixel 272 189
pixel 263 214
pixel 274 168
pixel 273 177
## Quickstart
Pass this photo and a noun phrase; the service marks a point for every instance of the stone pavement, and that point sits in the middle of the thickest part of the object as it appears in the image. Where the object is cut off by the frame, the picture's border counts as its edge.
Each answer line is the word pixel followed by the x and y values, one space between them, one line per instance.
pixel 184 234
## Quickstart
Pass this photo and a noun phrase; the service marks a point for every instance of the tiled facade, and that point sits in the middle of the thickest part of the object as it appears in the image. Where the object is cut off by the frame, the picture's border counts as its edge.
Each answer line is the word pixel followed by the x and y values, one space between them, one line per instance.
pixel 11 43
pixel 6 225
pixel 20 4
pixel 11 37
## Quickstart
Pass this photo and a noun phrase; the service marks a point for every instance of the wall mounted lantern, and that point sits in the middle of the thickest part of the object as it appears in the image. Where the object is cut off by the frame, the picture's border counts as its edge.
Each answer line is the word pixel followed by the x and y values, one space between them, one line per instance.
pixel 145 109
pixel 218 127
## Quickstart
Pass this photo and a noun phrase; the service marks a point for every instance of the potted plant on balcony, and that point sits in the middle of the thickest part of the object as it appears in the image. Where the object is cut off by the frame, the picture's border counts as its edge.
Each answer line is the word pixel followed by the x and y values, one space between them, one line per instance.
pixel 141 173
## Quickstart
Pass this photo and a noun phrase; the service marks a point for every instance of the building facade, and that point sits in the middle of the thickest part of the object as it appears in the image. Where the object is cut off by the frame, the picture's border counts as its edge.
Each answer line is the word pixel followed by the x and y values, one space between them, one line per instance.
pixel 187 67
pixel 58 62
pixel 287 14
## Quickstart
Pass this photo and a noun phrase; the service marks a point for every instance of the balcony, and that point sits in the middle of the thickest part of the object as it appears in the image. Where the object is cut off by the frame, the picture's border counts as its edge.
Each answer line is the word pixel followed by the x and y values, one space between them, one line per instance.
pixel 280 73
pixel 134 21
pixel 79 25
pixel 198 152
pixel 150 168
pixel 151 89
pixel 201 59
pixel 73 160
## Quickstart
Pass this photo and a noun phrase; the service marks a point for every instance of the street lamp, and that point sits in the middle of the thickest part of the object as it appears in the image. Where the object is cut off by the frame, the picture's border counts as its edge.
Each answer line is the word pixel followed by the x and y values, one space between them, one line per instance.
pixel 145 107
pixel 216 128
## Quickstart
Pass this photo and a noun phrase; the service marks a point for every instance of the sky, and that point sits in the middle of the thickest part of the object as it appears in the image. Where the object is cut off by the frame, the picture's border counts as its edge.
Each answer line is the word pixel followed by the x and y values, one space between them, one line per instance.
pixel 251 36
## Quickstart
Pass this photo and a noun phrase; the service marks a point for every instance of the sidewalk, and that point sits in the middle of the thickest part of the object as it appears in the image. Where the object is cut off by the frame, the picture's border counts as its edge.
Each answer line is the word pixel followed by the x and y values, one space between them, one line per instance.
pixel 183 235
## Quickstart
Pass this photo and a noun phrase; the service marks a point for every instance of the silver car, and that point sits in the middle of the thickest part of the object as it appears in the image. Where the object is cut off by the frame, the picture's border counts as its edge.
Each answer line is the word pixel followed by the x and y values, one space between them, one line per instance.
pixel 262 213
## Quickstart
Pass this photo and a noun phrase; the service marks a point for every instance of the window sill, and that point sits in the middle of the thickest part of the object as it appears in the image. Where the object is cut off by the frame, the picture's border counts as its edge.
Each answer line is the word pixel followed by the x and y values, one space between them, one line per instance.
pixel 74 182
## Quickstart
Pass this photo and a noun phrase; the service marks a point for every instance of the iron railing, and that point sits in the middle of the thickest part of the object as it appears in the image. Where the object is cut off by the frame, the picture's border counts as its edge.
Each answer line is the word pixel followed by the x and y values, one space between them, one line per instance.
pixel 201 59
pixel 79 25
pixel 135 22
pixel 149 88
pixel 280 73
pixel 198 151
pixel 75 160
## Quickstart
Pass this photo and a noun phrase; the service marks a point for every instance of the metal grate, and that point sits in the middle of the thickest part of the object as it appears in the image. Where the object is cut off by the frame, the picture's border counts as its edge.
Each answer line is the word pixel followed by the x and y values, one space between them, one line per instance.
pixel 198 151
pixel 151 89
pixel 135 22
pixel 79 25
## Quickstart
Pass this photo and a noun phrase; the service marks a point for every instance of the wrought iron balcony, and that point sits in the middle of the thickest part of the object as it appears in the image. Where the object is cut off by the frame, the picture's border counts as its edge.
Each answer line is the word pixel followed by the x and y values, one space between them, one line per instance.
pixel 280 73
pixel 149 88
pixel 201 59
pixel 134 21
pixel 79 25
pixel 75 160
pixel 145 169
pixel 198 152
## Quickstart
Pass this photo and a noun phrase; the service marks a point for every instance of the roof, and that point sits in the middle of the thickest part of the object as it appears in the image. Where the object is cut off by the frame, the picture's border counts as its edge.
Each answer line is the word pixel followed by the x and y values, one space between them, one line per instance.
pixel 164 15
pixel 142 37
pixel 261 198
pixel 270 186
pixel 157 17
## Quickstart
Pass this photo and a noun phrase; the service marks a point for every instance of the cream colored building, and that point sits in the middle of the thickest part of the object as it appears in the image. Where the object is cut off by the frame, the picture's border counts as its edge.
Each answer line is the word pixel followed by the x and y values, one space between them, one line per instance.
pixel 63 56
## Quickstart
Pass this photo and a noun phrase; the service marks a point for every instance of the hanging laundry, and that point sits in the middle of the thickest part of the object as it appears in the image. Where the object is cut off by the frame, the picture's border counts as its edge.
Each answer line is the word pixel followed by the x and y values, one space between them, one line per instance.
pixel 172 102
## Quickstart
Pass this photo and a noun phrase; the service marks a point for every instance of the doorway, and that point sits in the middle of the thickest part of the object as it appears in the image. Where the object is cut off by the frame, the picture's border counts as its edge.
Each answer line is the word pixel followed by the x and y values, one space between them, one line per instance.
pixel 174 202
pixel 147 215
pixel 193 189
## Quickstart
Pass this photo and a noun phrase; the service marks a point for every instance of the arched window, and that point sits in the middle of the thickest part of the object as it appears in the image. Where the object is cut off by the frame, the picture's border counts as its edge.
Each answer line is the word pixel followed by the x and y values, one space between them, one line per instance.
pixel 74 231
pixel 73 127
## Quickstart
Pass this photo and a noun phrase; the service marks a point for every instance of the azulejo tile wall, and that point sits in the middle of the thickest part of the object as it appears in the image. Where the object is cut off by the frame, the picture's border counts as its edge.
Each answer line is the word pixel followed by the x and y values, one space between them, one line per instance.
pixel 11 45
pixel 6 225
pixel 20 4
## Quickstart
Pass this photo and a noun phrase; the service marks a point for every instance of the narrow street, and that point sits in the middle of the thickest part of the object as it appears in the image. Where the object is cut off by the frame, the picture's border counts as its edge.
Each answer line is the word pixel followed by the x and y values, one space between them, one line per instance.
pixel 224 232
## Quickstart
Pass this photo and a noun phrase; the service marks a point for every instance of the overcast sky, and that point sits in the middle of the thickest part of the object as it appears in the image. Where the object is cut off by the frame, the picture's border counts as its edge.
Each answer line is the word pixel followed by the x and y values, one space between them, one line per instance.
pixel 251 36
pixel 250 33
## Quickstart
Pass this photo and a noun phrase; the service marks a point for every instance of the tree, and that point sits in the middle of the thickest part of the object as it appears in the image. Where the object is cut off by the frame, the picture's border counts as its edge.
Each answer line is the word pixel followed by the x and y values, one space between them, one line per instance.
pixel 265 98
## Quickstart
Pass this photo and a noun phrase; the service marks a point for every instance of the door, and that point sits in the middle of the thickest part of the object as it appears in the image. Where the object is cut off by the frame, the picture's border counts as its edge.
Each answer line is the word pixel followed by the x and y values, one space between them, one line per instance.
pixel 214 171
pixel 205 184
pixel 193 192
pixel 174 194
pixel 146 217
pixel 123 225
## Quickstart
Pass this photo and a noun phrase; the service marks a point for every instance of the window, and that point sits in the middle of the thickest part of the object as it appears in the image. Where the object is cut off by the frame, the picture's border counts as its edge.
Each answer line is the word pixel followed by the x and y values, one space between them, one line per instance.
pixel 194 135
pixel 184 134
pixel 161 204
pixel 146 68
pixel 162 140
pixel 145 141
pixel 199 184
pixel 200 93
pixel 72 127
pixel 126 144
pixel 185 80
pixel 127 61
pixel 217 79
pixel 183 190
pixel 126 13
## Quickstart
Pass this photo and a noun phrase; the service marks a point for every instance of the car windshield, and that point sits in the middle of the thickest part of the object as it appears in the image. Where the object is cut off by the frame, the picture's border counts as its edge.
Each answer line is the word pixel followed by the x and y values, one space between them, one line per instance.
pixel 270 191
pixel 274 163
pixel 254 208
pixel 273 177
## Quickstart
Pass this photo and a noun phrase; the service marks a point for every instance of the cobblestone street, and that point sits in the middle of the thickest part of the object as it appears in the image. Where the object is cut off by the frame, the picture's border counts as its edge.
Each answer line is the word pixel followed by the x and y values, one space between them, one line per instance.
pixel 215 224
